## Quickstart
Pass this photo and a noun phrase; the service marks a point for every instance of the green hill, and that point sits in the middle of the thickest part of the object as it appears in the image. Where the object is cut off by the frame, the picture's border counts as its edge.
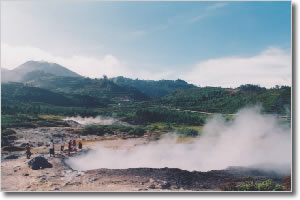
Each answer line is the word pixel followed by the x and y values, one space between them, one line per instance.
pixel 153 88
pixel 99 88
pixel 18 93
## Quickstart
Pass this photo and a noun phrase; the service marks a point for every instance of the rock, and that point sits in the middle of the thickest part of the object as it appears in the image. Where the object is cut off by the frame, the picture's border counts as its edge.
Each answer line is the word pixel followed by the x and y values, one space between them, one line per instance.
pixel 92 179
pixel 39 144
pixel 39 163
pixel 13 156
pixel 74 183
pixel 142 189
pixel 165 186
pixel 26 174
pixel 152 186
pixel 72 123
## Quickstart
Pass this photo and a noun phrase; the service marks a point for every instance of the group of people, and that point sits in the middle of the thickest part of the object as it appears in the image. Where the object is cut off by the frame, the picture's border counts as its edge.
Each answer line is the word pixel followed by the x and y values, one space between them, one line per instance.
pixel 72 146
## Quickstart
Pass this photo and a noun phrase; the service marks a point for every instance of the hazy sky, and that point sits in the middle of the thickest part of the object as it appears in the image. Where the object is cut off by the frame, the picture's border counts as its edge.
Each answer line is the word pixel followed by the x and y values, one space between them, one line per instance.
pixel 205 43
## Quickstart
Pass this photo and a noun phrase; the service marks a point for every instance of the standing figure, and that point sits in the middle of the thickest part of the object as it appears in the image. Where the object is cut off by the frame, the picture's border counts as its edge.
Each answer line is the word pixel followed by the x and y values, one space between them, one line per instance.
pixel 52 148
pixel 74 145
pixel 28 152
pixel 69 147
pixel 79 145
pixel 62 145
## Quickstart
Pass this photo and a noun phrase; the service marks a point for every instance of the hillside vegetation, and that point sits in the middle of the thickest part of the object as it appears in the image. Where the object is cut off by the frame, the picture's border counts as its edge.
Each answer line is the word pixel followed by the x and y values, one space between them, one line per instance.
pixel 222 100
pixel 154 88
pixel 140 102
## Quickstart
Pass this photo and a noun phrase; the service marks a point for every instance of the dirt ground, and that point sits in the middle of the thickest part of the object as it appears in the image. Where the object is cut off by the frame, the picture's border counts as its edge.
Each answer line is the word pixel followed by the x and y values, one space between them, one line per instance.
pixel 16 175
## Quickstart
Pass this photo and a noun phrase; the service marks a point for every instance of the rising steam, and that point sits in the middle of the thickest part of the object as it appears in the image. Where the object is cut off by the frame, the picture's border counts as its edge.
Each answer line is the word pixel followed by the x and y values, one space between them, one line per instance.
pixel 93 120
pixel 250 139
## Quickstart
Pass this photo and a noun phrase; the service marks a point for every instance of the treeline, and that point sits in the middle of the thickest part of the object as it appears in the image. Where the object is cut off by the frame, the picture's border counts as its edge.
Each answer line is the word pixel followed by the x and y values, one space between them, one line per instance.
pixel 153 88
pixel 222 100
pixel 159 114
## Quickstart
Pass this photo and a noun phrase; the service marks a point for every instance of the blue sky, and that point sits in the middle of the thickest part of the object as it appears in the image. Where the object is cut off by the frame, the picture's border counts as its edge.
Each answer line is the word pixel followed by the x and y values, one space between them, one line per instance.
pixel 151 40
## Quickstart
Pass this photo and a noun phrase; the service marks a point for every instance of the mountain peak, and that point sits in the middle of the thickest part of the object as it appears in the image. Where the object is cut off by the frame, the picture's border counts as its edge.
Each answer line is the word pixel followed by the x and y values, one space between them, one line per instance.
pixel 47 67
pixel 29 67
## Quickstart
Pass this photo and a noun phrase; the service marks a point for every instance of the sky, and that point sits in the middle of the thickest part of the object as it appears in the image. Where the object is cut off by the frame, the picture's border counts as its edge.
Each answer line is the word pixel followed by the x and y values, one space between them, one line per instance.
pixel 214 43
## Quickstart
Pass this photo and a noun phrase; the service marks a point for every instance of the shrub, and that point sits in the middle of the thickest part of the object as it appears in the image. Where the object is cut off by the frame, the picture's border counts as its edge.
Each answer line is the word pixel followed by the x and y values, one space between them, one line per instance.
pixel 265 186
pixel 137 131
pixel 246 187
pixel 188 132
pixel 278 188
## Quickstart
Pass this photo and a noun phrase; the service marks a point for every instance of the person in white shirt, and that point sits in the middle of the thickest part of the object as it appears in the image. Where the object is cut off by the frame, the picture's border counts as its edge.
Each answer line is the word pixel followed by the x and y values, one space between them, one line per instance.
pixel 51 148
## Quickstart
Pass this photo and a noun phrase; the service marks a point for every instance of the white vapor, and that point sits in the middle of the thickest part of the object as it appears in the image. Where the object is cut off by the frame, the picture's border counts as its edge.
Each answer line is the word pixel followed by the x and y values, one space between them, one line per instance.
pixel 269 68
pixel 251 139
pixel 99 120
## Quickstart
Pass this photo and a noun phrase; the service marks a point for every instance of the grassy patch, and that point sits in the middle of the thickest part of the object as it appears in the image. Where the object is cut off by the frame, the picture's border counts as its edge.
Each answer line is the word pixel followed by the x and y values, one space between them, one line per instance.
pixel 101 130
pixel 51 117
pixel 30 121
pixel 190 132
pixel 266 185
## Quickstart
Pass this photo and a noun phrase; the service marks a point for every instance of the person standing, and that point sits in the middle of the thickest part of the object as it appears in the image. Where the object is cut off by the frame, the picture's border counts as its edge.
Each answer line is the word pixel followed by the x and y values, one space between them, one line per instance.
pixel 28 152
pixel 70 147
pixel 52 148
pixel 74 146
pixel 79 145
pixel 62 145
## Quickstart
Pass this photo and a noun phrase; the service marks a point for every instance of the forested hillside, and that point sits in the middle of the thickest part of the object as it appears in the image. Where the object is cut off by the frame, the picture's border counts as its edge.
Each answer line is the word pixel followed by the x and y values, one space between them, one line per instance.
pixel 154 88
pixel 100 88
pixel 135 101
pixel 222 100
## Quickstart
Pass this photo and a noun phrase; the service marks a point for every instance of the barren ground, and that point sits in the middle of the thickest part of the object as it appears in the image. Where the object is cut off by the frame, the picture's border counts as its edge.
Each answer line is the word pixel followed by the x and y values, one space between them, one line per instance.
pixel 17 176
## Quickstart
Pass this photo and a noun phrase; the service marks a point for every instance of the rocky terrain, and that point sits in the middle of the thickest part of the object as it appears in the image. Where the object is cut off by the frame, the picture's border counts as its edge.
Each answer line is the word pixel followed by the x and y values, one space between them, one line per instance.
pixel 17 176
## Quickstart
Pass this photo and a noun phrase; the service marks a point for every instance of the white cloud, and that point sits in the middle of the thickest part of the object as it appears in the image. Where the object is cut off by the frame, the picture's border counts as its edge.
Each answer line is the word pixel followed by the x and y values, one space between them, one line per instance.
pixel 217 5
pixel 13 56
pixel 207 12
pixel 269 68
pixel 93 67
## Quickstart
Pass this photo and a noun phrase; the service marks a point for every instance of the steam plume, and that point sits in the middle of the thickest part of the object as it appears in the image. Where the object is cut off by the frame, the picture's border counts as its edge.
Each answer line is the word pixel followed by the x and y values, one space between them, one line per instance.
pixel 250 139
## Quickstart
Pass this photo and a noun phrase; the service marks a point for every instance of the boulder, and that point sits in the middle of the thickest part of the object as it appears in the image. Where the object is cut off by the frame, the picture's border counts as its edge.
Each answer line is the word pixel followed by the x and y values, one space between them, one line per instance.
pixel 165 186
pixel 39 163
